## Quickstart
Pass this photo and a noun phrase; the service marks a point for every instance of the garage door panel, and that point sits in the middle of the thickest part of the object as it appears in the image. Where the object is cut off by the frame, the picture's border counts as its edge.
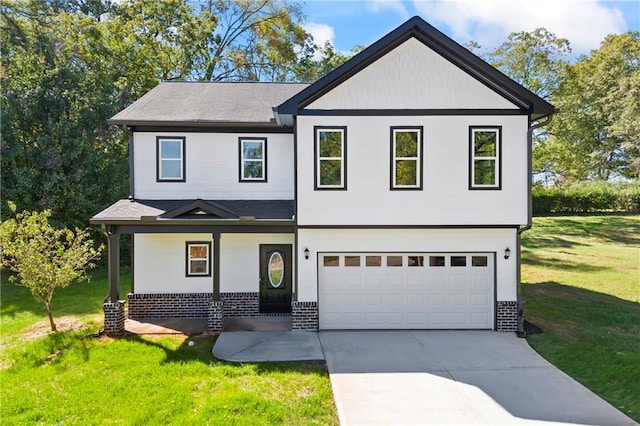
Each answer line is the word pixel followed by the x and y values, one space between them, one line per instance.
pixel 425 292
pixel 373 281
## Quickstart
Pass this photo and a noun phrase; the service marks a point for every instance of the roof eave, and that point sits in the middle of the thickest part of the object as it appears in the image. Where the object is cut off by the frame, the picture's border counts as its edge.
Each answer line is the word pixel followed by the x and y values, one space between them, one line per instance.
pixel 190 123
pixel 190 222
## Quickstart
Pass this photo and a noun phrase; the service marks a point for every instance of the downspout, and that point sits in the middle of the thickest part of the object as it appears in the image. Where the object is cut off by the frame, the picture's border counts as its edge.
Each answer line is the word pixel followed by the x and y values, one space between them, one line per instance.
pixel 521 229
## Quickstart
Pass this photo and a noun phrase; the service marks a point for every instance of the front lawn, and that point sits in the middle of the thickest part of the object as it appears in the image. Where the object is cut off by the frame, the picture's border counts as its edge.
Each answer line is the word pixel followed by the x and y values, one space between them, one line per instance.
pixel 70 378
pixel 581 285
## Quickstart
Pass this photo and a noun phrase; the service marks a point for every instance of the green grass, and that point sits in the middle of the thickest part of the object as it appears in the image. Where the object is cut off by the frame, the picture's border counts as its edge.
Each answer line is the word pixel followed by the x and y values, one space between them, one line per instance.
pixel 581 285
pixel 73 378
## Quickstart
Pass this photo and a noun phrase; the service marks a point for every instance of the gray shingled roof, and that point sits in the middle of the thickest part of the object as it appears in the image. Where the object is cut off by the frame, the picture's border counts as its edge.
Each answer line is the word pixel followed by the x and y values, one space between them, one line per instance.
pixel 134 210
pixel 202 103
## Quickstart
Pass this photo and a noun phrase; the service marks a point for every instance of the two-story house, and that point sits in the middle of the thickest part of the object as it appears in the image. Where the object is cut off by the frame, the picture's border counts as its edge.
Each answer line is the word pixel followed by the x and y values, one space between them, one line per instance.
pixel 389 194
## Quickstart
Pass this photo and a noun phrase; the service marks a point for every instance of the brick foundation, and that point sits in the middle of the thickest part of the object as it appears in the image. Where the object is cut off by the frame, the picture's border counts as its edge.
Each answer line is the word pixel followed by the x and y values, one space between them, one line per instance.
pixel 304 316
pixel 173 305
pixel 507 315
pixel 216 316
pixel 114 317
pixel 241 304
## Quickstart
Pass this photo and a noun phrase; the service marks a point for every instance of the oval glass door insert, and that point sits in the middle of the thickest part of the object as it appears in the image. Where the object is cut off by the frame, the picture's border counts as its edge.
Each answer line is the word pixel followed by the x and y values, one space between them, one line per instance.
pixel 276 269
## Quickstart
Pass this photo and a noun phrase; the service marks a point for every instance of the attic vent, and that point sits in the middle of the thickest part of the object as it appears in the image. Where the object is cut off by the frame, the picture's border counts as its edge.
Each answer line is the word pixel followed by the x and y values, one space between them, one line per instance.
pixel 198 211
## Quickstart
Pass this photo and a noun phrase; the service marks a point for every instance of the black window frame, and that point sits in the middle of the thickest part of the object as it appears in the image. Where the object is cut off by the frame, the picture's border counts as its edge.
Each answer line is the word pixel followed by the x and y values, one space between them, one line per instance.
pixel 419 161
pixel 209 258
pixel 241 158
pixel 498 159
pixel 316 159
pixel 159 140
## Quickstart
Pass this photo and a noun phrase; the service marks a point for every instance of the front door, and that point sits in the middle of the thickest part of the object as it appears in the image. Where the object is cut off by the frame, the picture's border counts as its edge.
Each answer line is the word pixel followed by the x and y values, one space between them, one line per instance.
pixel 275 278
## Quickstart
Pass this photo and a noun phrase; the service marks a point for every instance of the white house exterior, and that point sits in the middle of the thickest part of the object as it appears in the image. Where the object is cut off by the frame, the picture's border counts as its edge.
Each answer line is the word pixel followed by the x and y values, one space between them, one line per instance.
pixel 390 194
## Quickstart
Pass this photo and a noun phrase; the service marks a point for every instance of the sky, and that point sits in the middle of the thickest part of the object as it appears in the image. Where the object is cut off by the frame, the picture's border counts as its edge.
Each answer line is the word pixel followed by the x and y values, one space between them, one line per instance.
pixel 585 23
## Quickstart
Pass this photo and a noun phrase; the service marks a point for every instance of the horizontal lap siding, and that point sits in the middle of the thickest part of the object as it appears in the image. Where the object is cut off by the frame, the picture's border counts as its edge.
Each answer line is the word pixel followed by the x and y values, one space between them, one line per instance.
pixel 212 168
pixel 445 198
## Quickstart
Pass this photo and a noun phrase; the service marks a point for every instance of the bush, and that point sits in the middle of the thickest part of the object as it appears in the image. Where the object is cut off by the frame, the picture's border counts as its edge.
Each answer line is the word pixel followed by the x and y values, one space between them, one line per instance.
pixel 587 196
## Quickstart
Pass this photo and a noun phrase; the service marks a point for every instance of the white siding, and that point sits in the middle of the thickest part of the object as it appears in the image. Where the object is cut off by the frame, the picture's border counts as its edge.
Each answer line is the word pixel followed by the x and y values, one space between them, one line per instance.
pixel 240 259
pixel 412 76
pixel 445 198
pixel 406 240
pixel 160 264
pixel 212 168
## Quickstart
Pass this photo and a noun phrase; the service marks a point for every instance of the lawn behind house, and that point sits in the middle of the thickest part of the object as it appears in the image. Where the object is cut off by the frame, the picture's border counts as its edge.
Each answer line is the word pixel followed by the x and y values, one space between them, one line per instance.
pixel 581 285
pixel 69 378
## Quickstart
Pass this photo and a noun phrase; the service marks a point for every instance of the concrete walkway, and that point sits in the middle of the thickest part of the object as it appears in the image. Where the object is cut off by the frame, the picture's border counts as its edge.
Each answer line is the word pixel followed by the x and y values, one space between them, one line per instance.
pixel 431 377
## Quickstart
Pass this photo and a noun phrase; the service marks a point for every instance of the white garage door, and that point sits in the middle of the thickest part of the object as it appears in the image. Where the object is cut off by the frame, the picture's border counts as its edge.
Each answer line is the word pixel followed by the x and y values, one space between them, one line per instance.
pixel 406 291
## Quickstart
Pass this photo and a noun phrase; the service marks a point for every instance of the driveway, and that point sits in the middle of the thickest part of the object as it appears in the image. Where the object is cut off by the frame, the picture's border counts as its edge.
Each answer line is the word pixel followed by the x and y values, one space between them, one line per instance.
pixel 453 378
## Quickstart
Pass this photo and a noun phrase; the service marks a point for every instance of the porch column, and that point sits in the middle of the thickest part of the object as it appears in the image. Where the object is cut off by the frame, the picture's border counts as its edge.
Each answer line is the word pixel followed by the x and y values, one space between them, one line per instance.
pixel 114 308
pixel 216 267
pixel 216 308
pixel 113 248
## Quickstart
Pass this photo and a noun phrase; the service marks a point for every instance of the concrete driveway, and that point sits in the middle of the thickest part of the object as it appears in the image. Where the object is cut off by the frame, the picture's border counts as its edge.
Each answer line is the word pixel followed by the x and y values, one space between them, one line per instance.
pixel 453 378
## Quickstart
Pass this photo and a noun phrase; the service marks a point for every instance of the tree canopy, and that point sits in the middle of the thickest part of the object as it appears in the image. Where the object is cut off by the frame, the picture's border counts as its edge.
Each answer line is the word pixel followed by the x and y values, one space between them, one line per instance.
pixel 69 65
pixel 596 134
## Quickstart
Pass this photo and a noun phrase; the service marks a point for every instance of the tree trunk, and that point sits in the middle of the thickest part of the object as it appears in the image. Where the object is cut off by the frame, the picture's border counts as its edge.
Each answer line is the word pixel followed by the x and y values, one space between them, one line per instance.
pixel 50 315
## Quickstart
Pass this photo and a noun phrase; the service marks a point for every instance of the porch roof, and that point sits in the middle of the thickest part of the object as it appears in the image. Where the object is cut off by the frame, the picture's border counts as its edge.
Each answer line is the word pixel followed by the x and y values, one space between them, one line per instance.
pixel 166 212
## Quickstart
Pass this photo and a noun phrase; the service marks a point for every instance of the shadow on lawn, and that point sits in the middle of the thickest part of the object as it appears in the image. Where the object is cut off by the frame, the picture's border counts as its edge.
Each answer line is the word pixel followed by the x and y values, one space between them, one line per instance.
pixel 606 227
pixel 550 304
pixel 533 259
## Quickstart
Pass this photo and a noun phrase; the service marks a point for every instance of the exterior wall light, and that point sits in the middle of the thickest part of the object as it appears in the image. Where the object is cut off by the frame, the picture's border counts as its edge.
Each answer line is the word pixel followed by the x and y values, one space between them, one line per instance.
pixel 306 253
pixel 507 253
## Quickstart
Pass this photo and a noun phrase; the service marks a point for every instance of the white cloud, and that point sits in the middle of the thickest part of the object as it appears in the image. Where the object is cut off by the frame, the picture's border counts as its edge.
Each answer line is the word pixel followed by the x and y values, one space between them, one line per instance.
pixel 390 5
pixel 584 23
pixel 321 33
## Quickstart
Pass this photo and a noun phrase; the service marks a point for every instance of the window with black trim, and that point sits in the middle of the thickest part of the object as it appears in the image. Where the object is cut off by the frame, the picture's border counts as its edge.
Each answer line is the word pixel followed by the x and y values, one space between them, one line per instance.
pixel 170 165
pixel 253 159
pixel 330 157
pixel 198 259
pixel 406 158
pixel 484 157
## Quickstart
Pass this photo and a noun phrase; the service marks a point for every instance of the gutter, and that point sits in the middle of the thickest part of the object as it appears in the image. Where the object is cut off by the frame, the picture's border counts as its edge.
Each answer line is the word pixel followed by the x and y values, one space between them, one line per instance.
pixel 521 229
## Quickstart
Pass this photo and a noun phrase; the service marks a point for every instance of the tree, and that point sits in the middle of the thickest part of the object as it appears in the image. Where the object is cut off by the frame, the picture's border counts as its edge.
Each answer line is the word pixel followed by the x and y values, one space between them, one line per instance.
pixel 68 66
pixel 599 100
pixel 254 40
pixel 42 257
pixel 536 60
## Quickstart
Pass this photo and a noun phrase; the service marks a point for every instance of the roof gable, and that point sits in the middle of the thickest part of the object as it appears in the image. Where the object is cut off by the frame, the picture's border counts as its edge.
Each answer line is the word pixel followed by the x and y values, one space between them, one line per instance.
pixel 200 207
pixel 439 43
pixel 411 76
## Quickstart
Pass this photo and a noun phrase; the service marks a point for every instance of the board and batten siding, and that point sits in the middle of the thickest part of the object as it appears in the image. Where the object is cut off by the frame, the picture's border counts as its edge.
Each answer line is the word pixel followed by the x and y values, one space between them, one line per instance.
pixel 411 76
pixel 212 168
pixel 240 260
pixel 445 197
pixel 160 264
pixel 406 241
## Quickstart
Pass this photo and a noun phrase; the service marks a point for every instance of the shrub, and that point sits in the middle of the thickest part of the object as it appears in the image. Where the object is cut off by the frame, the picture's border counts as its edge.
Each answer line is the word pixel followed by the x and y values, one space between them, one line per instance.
pixel 587 196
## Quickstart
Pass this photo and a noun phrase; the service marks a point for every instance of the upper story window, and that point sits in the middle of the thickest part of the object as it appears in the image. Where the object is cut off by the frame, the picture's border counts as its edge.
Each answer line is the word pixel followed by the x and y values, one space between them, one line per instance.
pixel 170 155
pixel 331 157
pixel 253 159
pixel 484 157
pixel 406 158
pixel 198 259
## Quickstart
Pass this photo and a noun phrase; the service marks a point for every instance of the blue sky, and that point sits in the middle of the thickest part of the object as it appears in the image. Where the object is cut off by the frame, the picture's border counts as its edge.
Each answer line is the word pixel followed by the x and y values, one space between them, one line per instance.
pixel 584 23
